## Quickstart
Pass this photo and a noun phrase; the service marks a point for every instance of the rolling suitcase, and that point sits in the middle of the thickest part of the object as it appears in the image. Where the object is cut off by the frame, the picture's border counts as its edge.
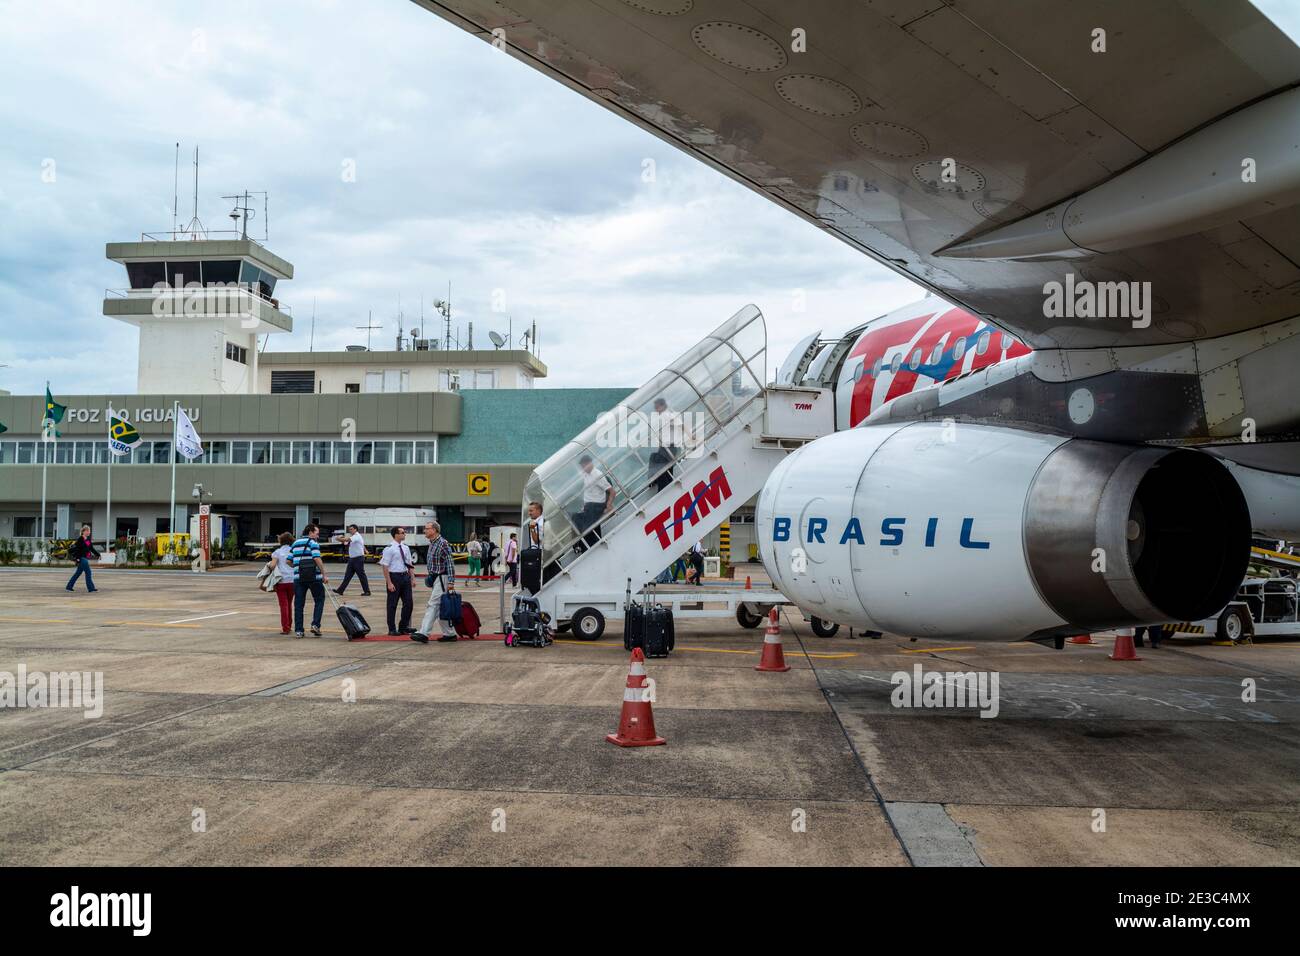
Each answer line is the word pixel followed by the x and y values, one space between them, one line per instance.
pixel 350 618
pixel 467 625
pixel 530 569
pixel 648 625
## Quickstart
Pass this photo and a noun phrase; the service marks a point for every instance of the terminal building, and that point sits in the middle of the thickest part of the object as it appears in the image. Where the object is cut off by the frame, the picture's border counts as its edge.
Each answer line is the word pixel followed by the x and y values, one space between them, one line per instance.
pixel 288 436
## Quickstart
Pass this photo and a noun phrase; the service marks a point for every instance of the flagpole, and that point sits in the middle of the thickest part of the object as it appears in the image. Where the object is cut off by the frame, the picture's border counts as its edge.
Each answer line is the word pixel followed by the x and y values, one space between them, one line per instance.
pixel 45 462
pixel 171 518
pixel 108 501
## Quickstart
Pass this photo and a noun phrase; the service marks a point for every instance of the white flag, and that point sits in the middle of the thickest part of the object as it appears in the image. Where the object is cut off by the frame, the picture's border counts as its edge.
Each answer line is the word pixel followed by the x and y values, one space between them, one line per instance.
pixel 188 442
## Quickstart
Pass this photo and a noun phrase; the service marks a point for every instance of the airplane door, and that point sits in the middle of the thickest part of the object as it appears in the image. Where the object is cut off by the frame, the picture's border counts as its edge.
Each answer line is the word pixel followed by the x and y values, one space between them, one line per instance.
pixel 796 363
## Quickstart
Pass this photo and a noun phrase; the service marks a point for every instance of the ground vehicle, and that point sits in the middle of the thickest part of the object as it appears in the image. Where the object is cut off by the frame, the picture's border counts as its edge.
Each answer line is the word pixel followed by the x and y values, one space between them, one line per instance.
pixel 1263 607
pixel 375 524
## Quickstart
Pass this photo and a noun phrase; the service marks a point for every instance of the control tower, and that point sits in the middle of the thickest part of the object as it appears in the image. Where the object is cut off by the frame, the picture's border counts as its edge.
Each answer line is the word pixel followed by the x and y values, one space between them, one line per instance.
pixel 200 304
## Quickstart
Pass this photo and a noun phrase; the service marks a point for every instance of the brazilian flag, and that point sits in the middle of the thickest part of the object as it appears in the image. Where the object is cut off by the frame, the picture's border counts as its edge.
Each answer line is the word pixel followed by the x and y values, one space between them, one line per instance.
pixel 53 415
pixel 122 436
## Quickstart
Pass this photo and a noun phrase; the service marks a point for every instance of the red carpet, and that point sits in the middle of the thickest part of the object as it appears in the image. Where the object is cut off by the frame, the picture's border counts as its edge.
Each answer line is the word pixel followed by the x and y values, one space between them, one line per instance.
pixel 432 640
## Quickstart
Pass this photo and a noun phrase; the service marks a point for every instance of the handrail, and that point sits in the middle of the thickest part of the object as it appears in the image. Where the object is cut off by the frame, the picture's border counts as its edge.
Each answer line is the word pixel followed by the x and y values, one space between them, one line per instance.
pixel 620 516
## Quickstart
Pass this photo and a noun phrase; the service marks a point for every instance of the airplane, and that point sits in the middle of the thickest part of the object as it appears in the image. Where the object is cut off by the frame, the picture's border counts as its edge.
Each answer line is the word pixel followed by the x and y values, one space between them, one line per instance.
pixel 1094 407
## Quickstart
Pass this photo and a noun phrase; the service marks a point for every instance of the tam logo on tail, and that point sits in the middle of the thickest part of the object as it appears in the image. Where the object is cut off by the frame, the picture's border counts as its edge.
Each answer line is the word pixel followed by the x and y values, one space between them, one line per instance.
pixel 692 506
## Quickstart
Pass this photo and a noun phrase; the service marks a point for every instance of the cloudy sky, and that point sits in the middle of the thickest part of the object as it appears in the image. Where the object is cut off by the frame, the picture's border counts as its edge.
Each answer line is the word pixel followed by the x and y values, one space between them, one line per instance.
pixel 470 168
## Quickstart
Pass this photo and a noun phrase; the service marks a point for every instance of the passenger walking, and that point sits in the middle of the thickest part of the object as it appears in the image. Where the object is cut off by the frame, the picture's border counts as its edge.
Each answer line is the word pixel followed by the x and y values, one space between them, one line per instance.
pixel 665 432
pixel 282 562
pixel 308 575
pixel 396 564
pixel 82 550
pixel 597 501
pixel 356 561
pixel 512 560
pixel 441 579
pixel 475 549
pixel 697 564
pixel 536 525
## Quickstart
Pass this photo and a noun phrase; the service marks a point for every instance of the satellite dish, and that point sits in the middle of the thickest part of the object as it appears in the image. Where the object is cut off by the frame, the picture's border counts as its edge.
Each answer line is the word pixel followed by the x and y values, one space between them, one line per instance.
pixel 497 339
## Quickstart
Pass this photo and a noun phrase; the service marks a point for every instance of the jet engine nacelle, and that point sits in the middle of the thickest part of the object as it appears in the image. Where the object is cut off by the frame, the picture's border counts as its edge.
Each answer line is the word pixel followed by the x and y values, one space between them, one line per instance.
pixel 965 531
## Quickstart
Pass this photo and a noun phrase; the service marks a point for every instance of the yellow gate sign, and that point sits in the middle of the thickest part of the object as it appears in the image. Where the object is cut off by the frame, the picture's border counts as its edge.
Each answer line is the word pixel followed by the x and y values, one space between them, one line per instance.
pixel 479 486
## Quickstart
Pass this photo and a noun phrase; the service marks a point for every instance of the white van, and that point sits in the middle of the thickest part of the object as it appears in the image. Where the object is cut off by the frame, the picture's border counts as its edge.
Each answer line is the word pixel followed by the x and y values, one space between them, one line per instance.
pixel 374 525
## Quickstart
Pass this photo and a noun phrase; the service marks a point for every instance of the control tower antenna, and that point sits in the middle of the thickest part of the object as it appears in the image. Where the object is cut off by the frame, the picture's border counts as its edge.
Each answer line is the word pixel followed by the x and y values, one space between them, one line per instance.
pixel 176 187
pixel 195 228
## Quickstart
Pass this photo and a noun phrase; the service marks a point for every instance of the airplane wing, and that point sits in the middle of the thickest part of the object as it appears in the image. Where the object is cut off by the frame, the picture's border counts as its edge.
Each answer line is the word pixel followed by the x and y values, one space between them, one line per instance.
pixel 984 148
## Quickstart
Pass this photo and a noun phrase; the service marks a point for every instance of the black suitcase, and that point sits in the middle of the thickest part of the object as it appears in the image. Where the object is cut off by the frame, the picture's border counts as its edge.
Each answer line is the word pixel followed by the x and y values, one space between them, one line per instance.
pixel 648 626
pixel 350 618
pixel 530 569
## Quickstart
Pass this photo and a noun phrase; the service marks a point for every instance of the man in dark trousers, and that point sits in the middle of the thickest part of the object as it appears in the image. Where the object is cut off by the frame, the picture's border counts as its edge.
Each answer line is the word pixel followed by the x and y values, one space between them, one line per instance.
pixel 396 563
pixel 82 550
pixel 356 561
pixel 308 575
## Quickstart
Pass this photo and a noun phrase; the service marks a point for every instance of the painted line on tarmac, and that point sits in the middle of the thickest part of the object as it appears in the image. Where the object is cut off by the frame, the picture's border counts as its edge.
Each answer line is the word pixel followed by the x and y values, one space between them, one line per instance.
pixel 141 624
pixel 284 688
pixel 936 650
pixel 36 620
pixel 702 650
pixel 205 617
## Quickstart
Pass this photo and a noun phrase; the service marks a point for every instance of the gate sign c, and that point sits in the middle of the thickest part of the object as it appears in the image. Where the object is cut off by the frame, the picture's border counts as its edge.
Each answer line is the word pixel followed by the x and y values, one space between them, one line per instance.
pixel 479 486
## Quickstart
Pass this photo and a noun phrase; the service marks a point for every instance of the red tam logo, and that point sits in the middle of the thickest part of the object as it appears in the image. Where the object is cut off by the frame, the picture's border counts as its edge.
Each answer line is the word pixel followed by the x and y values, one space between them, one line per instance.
pixel 692 506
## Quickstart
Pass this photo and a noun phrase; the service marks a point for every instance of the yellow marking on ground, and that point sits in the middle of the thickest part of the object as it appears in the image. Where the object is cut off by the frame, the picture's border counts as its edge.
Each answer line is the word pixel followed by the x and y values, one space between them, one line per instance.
pixel 936 650
pixel 36 620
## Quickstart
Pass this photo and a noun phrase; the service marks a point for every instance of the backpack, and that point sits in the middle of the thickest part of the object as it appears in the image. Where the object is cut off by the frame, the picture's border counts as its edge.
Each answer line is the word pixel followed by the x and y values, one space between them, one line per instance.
pixel 449 606
pixel 468 624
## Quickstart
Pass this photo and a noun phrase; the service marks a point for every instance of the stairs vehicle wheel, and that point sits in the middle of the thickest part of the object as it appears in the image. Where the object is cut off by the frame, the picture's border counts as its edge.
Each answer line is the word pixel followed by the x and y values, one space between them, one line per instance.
pixel 1234 624
pixel 747 618
pixel 588 624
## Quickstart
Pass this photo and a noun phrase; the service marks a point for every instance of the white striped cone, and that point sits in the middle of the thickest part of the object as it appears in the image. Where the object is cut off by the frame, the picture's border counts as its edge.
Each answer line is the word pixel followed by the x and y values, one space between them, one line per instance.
pixel 636 723
pixel 773 659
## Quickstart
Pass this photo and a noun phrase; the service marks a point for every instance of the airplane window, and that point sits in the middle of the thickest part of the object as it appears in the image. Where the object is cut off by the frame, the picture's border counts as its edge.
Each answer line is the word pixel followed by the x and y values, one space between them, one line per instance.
pixel 896 363
pixel 916 360
pixel 857 372
pixel 982 343
pixel 1008 341
pixel 959 349
pixel 936 355
pixel 875 369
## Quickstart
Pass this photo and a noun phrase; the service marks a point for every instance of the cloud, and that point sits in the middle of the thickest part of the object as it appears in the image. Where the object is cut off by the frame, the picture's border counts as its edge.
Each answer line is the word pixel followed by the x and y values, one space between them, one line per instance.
pixel 470 168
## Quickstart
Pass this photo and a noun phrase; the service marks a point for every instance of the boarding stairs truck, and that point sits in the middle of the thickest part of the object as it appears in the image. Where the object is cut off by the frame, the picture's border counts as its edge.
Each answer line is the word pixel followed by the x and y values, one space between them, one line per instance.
pixel 682 453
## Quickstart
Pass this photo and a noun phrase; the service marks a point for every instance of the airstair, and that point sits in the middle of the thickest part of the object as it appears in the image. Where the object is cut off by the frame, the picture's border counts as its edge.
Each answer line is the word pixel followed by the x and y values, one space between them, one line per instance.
pixel 682 453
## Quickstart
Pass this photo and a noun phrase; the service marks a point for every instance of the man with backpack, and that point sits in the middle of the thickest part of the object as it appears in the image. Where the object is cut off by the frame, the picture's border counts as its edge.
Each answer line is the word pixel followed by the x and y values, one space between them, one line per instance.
pixel 441 580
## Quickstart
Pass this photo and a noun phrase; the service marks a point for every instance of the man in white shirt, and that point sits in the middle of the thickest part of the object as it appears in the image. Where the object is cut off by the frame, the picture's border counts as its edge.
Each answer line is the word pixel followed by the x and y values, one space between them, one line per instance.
pixel 396 563
pixel 666 439
pixel 597 500
pixel 356 561
pixel 536 525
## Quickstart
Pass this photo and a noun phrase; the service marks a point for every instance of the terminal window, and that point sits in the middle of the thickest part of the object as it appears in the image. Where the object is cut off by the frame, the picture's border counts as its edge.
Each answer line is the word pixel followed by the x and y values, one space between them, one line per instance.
pixel 237 353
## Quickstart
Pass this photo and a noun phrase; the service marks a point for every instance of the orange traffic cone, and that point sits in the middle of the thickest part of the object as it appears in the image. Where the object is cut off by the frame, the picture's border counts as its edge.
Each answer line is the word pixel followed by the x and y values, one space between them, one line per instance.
pixel 749 584
pixel 1081 639
pixel 1124 650
pixel 636 725
pixel 773 657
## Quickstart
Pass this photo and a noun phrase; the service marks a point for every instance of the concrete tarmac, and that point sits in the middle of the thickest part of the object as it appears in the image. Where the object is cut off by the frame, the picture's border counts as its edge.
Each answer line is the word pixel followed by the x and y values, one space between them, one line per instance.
pixel 223 742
